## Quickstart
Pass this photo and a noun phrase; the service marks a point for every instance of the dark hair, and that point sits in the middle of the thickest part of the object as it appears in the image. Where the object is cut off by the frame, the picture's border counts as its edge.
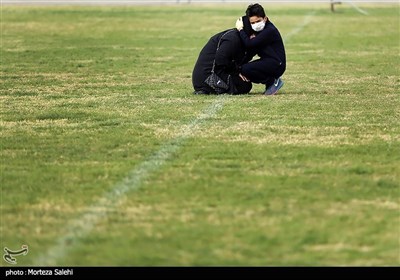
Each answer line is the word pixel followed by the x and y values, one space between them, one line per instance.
pixel 255 10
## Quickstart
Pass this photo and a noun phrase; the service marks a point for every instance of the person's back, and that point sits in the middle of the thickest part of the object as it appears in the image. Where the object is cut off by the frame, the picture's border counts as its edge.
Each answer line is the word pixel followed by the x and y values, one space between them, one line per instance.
pixel 226 50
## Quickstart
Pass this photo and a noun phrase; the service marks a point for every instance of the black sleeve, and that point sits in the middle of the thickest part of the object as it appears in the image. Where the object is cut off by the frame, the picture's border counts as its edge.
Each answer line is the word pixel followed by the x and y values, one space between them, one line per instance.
pixel 265 37
pixel 249 56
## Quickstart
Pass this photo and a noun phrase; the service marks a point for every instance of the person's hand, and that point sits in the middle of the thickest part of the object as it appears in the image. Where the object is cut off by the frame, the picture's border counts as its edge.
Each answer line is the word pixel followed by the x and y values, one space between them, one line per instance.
pixel 244 78
pixel 239 24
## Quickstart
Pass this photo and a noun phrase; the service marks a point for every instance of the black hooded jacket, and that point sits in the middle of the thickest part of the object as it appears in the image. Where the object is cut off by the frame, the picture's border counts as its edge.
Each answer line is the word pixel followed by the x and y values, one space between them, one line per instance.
pixel 228 59
pixel 267 44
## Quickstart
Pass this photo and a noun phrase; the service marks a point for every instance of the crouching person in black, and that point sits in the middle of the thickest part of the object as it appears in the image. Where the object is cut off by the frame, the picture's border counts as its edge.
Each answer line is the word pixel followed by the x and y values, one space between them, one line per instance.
pixel 223 55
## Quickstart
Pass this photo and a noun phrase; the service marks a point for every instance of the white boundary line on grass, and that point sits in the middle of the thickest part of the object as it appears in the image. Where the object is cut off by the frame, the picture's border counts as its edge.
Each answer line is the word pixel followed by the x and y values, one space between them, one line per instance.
pixel 361 11
pixel 300 27
pixel 82 226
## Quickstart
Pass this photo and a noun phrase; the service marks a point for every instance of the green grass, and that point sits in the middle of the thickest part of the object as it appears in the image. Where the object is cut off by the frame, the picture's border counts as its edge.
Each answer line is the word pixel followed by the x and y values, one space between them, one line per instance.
pixel 307 177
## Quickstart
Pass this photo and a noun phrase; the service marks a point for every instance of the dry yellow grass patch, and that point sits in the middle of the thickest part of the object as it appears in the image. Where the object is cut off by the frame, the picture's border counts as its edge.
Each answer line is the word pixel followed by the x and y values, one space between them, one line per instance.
pixel 262 133
pixel 356 206
pixel 336 247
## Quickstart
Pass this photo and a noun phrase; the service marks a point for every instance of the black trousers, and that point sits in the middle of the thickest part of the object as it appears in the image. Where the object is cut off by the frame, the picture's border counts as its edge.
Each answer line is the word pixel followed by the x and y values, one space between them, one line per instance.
pixel 263 70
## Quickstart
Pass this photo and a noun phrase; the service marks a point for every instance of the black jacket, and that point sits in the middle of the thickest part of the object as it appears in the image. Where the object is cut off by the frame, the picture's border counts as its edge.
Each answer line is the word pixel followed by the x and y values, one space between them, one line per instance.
pixel 228 59
pixel 267 44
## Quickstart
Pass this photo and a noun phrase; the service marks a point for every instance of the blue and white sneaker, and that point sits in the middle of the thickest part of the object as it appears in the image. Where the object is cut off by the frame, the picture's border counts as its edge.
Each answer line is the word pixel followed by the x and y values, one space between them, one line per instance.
pixel 272 89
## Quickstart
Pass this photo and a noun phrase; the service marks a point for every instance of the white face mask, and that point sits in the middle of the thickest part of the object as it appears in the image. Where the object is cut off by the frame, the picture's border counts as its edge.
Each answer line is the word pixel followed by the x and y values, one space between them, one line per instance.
pixel 258 26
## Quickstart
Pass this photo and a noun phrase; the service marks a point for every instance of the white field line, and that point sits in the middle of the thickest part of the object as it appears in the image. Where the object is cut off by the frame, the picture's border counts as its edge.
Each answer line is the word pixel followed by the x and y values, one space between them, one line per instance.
pixel 82 226
pixel 361 11
pixel 300 27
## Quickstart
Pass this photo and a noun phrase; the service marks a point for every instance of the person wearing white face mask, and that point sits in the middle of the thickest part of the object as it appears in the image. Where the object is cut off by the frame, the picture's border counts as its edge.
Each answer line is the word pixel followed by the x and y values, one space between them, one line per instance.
pixel 267 43
pixel 258 26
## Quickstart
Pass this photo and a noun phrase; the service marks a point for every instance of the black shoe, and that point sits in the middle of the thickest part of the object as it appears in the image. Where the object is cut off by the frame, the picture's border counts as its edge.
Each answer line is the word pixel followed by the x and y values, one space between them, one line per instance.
pixel 200 92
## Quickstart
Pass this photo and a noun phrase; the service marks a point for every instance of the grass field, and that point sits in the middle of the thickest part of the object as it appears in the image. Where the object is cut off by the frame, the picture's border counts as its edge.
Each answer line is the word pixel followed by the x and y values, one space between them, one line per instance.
pixel 107 158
